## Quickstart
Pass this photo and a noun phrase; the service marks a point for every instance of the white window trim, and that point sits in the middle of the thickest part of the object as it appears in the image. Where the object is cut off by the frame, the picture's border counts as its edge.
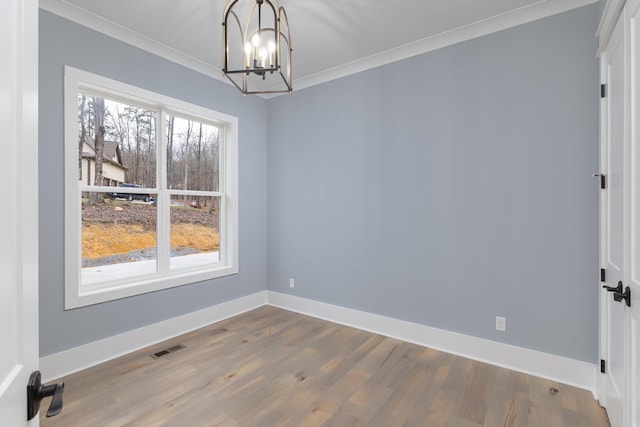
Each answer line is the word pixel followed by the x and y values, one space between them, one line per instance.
pixel 77 295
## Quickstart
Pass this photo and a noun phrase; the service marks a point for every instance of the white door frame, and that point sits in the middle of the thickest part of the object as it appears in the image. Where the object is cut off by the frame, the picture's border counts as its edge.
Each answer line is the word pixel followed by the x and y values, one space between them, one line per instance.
pixel 19 217
pixel 632 278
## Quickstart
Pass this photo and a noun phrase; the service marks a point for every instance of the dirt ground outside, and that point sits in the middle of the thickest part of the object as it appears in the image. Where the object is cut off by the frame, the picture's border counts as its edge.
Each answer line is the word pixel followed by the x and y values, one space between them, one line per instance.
pixel 120 231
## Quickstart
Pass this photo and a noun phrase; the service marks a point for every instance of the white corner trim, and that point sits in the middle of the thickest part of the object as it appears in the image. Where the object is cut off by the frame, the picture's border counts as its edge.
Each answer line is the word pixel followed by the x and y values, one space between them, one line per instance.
pixel 523 15
pixel 78 358
pixel 556 368
pixel 98 23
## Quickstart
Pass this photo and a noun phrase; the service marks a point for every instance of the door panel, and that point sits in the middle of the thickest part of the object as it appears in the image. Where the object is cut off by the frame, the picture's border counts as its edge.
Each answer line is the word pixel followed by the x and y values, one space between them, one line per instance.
pixel 19 213
pixel 613 313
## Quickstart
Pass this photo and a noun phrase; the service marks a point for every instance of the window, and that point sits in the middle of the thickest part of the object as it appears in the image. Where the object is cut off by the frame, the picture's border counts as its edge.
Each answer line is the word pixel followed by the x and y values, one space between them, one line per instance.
pixel 150 191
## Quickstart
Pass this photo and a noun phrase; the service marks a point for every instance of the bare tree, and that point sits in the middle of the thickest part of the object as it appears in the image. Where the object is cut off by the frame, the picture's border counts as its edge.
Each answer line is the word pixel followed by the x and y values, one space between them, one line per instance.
pixel 149 157
pixel 185 155
pixel 215 181
pixel 198 164
pixel 98 107
pixel 118 126
pixel 83 131
pixel 170 127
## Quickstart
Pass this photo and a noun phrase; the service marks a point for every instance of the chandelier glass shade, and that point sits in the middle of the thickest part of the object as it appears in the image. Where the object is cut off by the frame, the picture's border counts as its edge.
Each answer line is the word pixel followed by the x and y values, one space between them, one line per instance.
pixel 257 46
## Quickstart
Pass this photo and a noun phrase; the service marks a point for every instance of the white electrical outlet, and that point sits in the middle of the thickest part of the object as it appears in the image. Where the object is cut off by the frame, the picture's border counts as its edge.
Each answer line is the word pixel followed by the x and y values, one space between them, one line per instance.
pixel 292 283
pixel 501 324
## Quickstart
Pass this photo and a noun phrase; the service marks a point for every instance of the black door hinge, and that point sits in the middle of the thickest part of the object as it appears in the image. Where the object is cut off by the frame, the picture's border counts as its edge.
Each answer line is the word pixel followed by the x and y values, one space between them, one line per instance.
pixel 603 181
pixel 603 366
pixel 602 275
pixel 603 90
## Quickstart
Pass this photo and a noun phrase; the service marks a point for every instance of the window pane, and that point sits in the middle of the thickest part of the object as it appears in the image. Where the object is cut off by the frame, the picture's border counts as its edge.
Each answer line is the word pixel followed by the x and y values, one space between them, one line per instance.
pixel 194 231
pixel 126 136
pixel 119 238
pixel 193 152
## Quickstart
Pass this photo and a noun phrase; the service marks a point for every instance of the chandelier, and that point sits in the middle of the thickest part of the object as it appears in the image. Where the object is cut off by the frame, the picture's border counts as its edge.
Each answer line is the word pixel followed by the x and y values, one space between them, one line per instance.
pixel 259 49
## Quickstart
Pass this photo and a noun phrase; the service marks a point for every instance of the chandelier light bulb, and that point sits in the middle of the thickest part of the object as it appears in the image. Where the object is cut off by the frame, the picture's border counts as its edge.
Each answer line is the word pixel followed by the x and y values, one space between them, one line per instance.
pixel 256 40
pixel 272 53
pixel 263 57
pixel 247 54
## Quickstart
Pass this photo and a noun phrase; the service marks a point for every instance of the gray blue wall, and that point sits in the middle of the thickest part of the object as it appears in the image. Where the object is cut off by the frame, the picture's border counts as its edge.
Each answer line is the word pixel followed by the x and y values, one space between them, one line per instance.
pixel 450 188
pixel 444 189
pixel 64 43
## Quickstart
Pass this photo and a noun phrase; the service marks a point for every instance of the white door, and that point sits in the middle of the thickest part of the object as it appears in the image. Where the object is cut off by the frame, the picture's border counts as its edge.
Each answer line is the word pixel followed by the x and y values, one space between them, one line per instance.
pixel 612 346
pixel 19 207
pixel 632 18
pixel 620 212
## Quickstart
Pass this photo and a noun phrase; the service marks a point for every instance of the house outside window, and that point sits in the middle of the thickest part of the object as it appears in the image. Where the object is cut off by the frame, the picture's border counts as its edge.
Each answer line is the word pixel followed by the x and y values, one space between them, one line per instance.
pixel 150 191
pixel 112 166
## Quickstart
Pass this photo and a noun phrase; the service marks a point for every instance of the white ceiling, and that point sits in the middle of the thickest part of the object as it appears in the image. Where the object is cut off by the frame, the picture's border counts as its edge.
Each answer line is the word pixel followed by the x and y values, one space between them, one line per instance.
pixel 330 38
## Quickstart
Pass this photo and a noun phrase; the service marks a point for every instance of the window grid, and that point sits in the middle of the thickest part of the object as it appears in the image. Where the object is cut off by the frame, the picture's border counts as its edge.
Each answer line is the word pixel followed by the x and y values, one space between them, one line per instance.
pixel 78 294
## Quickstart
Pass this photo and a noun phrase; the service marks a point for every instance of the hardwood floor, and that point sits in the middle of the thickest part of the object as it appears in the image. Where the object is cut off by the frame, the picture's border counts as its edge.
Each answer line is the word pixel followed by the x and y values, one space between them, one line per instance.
pixel 271 367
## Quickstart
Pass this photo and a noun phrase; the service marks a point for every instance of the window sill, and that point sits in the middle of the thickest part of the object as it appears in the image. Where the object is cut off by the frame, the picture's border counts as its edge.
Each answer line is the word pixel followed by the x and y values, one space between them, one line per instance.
pixel 188 270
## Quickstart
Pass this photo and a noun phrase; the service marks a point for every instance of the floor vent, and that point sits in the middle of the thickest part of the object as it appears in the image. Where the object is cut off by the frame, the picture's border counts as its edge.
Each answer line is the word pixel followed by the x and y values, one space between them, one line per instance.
pixel 167 351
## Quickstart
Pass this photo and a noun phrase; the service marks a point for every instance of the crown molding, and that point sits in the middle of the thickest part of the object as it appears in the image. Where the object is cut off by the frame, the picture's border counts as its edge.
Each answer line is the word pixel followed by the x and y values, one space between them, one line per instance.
pixel 610 14
pixel 523 15
pixel 541 9
pixel 102 25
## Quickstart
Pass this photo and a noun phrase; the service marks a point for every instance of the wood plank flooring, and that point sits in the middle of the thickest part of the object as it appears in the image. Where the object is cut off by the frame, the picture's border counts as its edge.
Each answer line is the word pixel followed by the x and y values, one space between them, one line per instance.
pixel 271 367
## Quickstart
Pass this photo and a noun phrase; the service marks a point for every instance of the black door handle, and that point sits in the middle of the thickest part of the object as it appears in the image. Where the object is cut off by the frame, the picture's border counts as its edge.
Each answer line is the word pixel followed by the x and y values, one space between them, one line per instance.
pixel 36 391
pixel 626 296
pixel 617 289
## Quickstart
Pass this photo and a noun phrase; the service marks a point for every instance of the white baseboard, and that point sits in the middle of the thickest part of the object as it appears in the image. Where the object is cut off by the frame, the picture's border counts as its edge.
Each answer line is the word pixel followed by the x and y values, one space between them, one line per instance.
pixel 82 357
pixel 561 369
pixel 556 368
